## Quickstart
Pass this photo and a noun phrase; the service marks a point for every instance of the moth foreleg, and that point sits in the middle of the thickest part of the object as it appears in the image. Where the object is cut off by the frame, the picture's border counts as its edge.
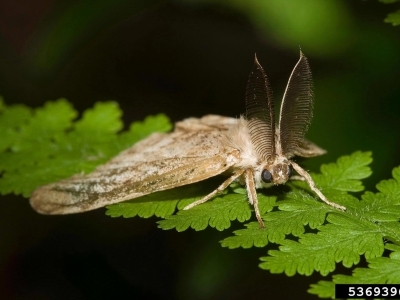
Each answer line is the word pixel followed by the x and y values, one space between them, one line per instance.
pixel 221 188
pixel 296 177
pixel 311 183
pixel 252 195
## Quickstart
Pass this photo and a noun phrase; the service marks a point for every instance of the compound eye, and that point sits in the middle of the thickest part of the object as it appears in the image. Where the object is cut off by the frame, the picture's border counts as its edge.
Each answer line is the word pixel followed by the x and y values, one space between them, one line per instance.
pixel 266 176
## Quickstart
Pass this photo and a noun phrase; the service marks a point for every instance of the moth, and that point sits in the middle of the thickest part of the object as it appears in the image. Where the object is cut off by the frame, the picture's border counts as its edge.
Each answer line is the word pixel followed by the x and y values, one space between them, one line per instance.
pixel 252 150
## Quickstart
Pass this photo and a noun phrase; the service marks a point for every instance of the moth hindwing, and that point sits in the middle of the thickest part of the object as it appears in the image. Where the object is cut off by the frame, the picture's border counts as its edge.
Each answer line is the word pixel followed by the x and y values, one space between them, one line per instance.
pixel 255 150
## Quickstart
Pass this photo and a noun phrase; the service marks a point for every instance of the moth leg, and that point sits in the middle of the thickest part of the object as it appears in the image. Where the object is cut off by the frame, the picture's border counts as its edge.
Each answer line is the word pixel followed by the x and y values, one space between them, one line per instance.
pixel 222 187
pixel 311 183
pixel 252 194
pixel 296 177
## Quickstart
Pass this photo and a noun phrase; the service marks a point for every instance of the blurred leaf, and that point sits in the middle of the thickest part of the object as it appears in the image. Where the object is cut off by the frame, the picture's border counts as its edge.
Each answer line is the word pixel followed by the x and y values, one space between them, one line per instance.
pixel 301 22
pixel 389 1
pixel 393 18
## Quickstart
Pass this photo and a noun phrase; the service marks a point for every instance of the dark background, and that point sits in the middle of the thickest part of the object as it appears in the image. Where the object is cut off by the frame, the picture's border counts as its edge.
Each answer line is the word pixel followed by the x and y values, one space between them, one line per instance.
pixel 184 58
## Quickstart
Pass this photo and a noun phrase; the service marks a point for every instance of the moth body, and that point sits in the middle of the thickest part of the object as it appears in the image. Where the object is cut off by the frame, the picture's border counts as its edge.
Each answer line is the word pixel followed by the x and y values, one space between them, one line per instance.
pixel 279 167
pixel 252 149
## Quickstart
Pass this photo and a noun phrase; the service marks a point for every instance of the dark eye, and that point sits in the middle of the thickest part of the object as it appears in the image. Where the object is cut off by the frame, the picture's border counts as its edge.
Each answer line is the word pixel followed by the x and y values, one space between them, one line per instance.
pixel 290 171
pixel 266 176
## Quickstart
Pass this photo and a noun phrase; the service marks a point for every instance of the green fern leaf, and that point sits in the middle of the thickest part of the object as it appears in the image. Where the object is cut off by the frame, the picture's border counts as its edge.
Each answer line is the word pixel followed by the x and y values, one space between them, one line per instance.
pixel 381 270
pixel 140 130
pixel 323 289
pixel 217 213
pixel 300 208
pixel 358 231
pixel 11 121
pixel 146 207
pixel 45 145
pixel 344 240
pixel 150 205
pixel 391 187
pixel 247 238
pixel 296 212
pixel 345 175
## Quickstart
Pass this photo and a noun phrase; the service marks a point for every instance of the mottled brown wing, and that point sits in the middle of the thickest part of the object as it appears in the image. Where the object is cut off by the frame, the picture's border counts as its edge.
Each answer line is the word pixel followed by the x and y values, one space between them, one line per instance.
pixel 296 108
pixel 160 162
pixel 207 122
pixel 260 112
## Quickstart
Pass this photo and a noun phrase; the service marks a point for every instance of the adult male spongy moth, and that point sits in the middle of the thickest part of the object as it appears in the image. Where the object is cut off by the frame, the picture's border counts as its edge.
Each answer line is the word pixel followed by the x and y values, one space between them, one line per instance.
pixel 254 150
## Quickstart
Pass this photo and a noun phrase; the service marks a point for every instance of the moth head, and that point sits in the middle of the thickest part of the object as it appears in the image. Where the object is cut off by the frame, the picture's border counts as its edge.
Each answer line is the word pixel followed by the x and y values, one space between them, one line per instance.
pixel 276 173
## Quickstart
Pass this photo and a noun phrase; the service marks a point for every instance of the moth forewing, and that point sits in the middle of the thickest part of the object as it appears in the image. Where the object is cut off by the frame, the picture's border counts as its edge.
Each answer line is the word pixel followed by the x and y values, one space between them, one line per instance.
pixel 159 162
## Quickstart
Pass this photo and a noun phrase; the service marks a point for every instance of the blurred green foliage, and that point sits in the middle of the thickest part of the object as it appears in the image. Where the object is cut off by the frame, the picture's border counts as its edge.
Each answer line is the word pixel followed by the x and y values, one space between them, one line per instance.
pixel 324 27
